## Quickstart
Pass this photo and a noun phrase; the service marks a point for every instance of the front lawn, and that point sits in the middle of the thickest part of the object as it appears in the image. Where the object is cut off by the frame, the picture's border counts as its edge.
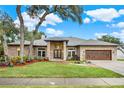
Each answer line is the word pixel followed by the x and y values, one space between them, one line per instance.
pixel 120 59
pixel 54 69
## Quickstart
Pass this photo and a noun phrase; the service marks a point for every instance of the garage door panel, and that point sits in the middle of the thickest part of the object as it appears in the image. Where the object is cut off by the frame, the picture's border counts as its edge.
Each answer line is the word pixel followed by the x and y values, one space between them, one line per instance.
pixel 98 54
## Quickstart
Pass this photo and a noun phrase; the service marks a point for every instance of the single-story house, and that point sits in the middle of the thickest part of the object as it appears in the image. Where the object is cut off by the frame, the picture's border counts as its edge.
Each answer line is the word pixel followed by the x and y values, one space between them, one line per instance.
pixel 63 48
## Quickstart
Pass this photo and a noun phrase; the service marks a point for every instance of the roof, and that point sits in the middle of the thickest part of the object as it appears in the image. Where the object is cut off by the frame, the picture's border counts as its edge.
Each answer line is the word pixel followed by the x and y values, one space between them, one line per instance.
pixel 18 42
pixel 56 39
pixel 72 41
pixel 82 42
pixel 40 42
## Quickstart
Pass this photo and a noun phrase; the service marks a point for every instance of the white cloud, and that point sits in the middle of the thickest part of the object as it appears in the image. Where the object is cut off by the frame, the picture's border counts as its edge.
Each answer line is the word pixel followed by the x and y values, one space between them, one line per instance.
pixel 52 19
pixel 103 14
pixel 118 34
pixel 86 20
pixel 111 25
pixel 107 25
pixel 118 25
pixel 94 20
pixel 99 35
pixel 121 11
pixel 53 32
pixel 29 22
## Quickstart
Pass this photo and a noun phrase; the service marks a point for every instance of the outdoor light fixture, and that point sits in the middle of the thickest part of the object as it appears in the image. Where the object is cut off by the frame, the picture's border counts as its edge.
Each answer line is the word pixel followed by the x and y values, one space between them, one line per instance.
pixel 18 49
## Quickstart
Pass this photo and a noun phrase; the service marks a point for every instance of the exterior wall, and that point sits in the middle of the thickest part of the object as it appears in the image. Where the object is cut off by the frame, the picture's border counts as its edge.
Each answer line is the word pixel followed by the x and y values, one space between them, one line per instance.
pixel 64 50
pixel 48 50
pixel 80 50
pixel 112 48
pixel 12 50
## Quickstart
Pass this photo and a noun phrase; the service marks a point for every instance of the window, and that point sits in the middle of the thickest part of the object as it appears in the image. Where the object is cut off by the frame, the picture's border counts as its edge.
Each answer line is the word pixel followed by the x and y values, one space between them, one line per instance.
pixel 57 53
pixel 18 52
pixel 71 53
pixel 41 52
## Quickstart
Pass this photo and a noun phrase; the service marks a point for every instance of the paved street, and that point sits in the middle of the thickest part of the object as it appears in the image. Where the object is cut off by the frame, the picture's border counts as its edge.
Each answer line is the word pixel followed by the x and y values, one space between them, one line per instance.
pixel 114 66
pixel 62 81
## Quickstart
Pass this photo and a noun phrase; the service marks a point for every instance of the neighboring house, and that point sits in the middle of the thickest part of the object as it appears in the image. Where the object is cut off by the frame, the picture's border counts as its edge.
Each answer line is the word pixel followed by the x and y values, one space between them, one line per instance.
pixel 63 48
pixel 120 52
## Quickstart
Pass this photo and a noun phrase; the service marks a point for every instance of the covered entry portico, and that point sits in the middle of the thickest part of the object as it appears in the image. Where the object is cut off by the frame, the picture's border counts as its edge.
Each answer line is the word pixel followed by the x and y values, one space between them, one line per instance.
pixel 56 50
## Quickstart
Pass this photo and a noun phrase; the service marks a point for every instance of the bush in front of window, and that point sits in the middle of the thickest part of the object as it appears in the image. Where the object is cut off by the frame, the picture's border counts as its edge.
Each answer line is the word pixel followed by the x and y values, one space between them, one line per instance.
pixel 73 58
pixel 25 58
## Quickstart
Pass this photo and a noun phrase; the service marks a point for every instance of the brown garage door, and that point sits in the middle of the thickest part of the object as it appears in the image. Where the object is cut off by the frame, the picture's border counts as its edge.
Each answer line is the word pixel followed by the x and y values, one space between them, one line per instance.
pixel 98 54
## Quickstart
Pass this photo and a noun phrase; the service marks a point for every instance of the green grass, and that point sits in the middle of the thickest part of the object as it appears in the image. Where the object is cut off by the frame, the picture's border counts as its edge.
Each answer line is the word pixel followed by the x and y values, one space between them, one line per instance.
pixel 120 59
pixel 54 69
pixel 119 86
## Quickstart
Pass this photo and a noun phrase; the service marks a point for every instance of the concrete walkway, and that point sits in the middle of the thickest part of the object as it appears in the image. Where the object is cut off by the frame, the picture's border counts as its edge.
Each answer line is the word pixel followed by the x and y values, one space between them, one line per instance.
pixel 117 67
pixel 62 81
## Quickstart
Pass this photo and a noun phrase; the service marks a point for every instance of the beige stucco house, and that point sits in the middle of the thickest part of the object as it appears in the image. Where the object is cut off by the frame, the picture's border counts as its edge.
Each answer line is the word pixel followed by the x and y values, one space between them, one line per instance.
pixel 63 48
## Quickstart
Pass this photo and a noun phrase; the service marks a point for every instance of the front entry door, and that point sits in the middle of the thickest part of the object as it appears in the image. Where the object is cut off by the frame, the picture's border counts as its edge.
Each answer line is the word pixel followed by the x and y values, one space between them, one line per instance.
pixel 57 53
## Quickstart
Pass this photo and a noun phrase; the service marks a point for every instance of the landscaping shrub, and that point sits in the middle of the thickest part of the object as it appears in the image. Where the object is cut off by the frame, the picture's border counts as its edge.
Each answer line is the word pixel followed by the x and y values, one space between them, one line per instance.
pixel 18 59
pixel 2 59
pixel 41 59
pixel 25 58
pixel 35 57
pixel 15 59
pixel 3 62
pixel 74 58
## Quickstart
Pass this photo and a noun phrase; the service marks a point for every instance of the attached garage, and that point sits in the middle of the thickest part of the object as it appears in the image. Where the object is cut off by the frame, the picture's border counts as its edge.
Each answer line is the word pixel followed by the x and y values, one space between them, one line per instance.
pixel 98 55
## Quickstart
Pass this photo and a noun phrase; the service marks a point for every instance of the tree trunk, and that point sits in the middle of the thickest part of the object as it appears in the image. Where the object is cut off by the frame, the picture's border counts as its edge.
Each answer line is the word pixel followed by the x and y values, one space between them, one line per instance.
pixel 5 46
pixel 30 56
pixel 21 45
pixel 33 34
pixel 18 10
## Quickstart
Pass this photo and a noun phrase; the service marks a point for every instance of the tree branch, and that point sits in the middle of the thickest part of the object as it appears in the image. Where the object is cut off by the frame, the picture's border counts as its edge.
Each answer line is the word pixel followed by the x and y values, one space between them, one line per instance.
pixel 19 15
pixel 41 21
pixel 43 18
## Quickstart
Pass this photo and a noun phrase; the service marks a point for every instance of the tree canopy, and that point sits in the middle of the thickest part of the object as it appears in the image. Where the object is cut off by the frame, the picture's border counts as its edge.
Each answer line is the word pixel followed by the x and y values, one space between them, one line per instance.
pixel 7 25
pixel 66 12
pixel 28 35
pixel 111 39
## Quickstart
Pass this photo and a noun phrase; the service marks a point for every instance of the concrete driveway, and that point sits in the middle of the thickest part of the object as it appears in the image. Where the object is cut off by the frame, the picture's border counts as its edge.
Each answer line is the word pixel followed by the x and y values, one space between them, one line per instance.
pixel 117 67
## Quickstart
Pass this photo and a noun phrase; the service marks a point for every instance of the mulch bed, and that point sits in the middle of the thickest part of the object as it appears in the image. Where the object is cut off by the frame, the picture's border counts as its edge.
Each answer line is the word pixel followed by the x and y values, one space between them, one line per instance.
pixel 26 63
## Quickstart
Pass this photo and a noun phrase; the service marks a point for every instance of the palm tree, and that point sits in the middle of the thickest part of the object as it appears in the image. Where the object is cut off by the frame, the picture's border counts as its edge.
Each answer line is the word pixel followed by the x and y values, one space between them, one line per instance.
pixel 66 12
pixel 18 10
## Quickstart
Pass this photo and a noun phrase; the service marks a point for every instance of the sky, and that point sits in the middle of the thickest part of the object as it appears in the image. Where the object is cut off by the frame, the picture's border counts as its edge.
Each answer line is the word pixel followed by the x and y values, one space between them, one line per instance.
pixel 98 20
